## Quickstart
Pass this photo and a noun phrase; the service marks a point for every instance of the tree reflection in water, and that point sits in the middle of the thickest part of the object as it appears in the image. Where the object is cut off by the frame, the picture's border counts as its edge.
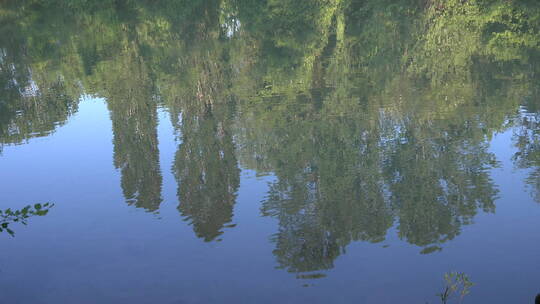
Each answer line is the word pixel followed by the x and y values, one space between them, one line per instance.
pixel 370 114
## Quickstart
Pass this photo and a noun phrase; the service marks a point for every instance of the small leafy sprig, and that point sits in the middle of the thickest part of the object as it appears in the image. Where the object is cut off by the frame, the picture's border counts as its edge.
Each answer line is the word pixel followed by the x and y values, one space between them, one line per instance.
pixel 456 283
pixel 8 216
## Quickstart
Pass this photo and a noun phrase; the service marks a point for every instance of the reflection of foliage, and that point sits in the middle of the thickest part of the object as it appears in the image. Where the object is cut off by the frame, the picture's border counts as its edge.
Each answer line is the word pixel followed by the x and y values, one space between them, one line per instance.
pixel 8 216
pixel 134 117
pixel 457 283
pixel 422 160
pixel 30 107
pixel 206 170
pixel 328 191
pixel 369 113
pixel 34 100
pixel 437 184
pixel 35 116
pixel 343 180
pixel 527 139
pixel 289 35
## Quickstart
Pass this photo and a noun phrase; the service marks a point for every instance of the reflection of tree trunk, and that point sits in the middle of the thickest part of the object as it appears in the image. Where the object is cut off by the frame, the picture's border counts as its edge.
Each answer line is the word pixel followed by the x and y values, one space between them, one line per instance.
pixel 210 81
pixel 320 64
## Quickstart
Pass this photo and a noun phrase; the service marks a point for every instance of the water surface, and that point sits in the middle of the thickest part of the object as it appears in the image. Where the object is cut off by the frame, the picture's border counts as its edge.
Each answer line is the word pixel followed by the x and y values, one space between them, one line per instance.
pixel 270 152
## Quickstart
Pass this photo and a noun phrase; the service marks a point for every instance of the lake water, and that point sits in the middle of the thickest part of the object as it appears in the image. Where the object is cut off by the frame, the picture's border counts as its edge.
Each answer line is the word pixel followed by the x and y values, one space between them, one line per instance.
pixel 269 152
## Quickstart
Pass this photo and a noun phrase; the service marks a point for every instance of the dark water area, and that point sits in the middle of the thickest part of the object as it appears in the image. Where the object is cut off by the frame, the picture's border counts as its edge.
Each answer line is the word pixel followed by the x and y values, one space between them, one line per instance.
pixel 273 151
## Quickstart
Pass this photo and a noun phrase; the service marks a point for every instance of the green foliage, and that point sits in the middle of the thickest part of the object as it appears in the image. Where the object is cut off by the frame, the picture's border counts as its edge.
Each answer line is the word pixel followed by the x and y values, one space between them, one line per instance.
pixel 9 217
pixel 457 284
